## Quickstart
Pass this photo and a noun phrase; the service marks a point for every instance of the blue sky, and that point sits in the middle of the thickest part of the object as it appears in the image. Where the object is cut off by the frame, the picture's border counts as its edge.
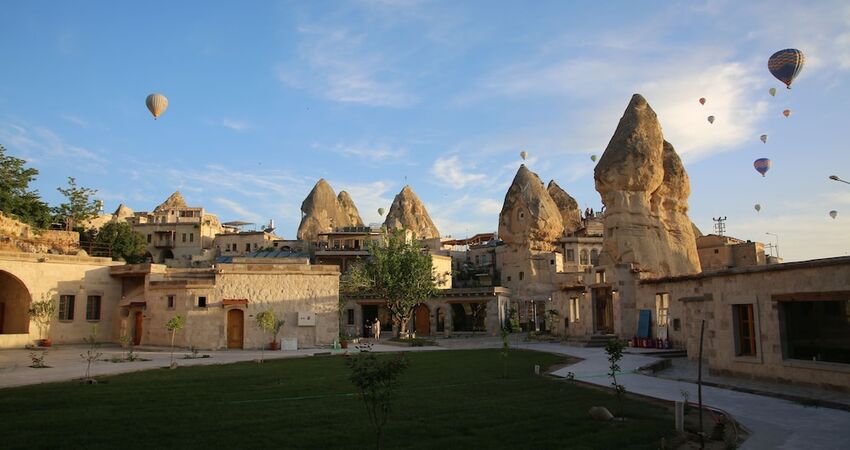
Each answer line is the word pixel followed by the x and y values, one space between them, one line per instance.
pixel 268 97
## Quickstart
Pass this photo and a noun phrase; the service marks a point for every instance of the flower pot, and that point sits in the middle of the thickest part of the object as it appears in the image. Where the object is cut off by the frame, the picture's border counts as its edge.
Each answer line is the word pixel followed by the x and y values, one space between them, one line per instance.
pixel 343 343
pixel 45 342
pixel 274 345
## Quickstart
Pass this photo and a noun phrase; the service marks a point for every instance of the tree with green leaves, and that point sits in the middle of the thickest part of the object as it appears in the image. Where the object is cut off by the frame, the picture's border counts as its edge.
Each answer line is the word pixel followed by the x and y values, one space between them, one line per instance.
pixel 124 242
pixel 16 199
pixel 174 325
pixel 397 271
pixel 80 206
pixel 614 349
pixel 269 323
pixel 376 379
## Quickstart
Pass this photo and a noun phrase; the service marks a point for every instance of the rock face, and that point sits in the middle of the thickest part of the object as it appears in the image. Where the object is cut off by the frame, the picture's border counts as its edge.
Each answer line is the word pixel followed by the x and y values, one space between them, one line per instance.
pixel 570 214
pixel 346 205
pixel 408 213
pixel 321 212
pixel 645 190
pixel 529 217
pixel 122 213
pixel 175 200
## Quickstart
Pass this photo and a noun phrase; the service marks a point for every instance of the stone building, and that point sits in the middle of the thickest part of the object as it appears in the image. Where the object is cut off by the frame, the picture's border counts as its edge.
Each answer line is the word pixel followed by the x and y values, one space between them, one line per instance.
pixel 725 252
pixel 241 243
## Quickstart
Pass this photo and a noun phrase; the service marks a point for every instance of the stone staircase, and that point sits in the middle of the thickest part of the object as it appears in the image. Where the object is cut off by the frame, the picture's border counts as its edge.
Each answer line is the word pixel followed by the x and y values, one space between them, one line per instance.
pixel 596 340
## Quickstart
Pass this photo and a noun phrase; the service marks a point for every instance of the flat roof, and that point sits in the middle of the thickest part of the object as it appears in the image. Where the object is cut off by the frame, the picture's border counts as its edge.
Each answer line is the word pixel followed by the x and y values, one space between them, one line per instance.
pixel 808 264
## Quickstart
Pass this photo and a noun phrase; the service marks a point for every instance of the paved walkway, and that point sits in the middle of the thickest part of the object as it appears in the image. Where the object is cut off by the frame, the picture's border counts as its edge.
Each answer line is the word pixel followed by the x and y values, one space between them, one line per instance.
pixel 773 423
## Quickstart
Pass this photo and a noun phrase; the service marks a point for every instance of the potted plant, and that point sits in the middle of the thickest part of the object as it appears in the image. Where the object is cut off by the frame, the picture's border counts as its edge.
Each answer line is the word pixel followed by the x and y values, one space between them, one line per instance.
pixel 42 313
pixel 343 339
pixel 267 322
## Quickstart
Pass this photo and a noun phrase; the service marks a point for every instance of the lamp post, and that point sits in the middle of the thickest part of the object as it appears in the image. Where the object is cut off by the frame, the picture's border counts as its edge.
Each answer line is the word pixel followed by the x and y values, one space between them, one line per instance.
pixel 836 178
pixel 777 242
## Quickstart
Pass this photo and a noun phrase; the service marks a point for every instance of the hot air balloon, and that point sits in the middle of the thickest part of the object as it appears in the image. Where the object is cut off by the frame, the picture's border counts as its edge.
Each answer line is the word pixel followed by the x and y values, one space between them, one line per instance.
pixel 702 101
pixel 786 64
pixel 523 154
pixel 157 104
pixel 764 138
pixel 762 165
pixel 786 113
pixel 710 119
pixel 381 211
pixel 772 92
pixel 833 214
pixel 757 207
pixel 593 158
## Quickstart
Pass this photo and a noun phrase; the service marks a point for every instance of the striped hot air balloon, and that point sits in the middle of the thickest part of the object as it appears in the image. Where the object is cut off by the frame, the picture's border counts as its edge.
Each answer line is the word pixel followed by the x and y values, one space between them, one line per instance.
pixel 762 165
pixel 786 64
pixel 157 104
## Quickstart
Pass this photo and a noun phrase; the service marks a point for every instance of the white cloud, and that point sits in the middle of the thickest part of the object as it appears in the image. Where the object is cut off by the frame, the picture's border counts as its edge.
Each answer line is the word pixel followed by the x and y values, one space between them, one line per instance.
pixel 235 125
pixel 238 209
pixel 75 120
pixel 336 64
pixel 368 197
pixel 372 154
pixel 450 171
pixel 40 143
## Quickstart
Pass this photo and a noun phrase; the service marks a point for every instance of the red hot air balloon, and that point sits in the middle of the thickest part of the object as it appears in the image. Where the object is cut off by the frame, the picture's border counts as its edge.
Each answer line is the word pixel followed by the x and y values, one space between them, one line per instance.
pixel 786 64
pixel 702 101
pixel 762 165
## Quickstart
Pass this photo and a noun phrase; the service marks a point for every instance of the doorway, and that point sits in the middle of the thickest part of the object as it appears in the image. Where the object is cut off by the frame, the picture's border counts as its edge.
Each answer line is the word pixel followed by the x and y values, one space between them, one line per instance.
pixel 603 309
pixel 138 328
pixel 235 328
pixel 422 320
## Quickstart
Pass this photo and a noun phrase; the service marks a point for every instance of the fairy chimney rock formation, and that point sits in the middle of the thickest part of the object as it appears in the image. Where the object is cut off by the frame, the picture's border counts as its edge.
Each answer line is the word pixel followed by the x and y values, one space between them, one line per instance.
pixel 122 213
pixel 321 212
pixel 346 205
pixel 529 217
pixel 408 213
pixel 175 200
pixel 645 190
pixel 570 214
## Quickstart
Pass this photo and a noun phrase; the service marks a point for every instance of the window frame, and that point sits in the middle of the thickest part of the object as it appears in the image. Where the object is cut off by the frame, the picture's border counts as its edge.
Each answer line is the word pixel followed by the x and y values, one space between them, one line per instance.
pixel 748 324
pixel 205 303
pixel 90 316
pixel 66 312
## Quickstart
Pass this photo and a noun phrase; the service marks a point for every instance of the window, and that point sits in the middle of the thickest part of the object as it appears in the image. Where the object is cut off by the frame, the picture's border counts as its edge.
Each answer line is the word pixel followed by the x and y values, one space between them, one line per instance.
pixel 247 247
pixel 521 275
pixel 583 257
pixel 149 239
pixel 93 307
pixel 191 237
pixel 184 237
pixel 170 301
pixel 551 262
pixel 600 276
pixel 716 251
pixel 255 245
pixel 66 307
pixel 571 255
pixel 662 305
pixel 816 329
pixel 574 309
pixel 745 335
pixel 594 257
pixel 509 278
pixel 350 312
pixel 202 302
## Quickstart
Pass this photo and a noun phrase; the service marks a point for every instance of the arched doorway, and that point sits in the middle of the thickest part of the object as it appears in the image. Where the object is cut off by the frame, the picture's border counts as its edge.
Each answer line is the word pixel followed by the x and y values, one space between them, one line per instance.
pixel 422 320
pixel 235 328
pixel 167 254
pixel 14 304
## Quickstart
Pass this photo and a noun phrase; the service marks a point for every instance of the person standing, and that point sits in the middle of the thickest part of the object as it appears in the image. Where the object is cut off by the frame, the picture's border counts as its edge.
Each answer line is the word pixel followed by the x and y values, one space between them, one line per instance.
pixel 376 329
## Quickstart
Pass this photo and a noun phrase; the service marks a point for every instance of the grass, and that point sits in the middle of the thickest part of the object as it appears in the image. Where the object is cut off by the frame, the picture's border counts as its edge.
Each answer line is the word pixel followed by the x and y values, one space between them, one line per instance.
pixel 448 399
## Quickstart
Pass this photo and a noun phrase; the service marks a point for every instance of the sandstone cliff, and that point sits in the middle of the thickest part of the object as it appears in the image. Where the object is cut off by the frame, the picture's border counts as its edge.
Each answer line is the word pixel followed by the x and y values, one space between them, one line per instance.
pixel 408 213
pixel 645 189
pixel 321 212
pixel 529 217
pixel 122 213
pixel 570 214
pixel 346 205
pixel 175 200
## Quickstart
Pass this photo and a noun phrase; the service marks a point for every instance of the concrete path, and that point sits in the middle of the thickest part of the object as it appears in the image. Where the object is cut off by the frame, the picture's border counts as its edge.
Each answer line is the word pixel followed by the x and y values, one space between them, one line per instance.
pixel 773 423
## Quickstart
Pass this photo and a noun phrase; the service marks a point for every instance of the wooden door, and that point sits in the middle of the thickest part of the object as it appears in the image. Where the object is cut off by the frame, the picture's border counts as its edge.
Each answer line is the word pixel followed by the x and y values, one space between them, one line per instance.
pixel 137 330
pixel 2 317
pixel 235 328
pixel 423 321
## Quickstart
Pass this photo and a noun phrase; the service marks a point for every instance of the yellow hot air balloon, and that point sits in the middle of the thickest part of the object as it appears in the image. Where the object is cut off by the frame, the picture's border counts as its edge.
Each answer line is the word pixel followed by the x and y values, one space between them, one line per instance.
pixel 523 154
pixel 381 211
pixel 157 104
pixel 772 92
pixel 710 119
pixel 786 113
pixel 593 158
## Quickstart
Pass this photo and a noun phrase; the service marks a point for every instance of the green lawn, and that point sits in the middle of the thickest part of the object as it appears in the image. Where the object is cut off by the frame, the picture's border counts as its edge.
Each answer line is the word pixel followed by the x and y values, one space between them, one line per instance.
pixel 448 399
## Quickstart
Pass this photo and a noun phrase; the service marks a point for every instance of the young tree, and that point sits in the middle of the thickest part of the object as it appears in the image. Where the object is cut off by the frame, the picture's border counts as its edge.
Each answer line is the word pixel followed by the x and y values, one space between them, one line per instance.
pixel 174 325
pixel 124 242
pixel 397 271
pixel 376 380
pixel 268 322
pixel 614 350
pixel 92 354
pixel 16 200
pixel 80 206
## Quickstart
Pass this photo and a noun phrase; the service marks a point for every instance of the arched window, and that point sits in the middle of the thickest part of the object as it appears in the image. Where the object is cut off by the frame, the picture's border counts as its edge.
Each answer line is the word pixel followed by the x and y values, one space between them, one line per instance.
pixel 594 257
pixel 583 258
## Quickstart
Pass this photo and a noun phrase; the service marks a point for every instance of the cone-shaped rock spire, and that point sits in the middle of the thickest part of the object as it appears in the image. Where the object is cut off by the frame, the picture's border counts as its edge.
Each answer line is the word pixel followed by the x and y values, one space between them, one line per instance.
pixel 529 217
pixel 408 212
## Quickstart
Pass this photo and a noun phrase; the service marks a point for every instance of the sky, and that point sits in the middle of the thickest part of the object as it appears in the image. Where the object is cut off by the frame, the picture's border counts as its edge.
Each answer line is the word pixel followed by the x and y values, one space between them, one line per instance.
pixel 265 98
